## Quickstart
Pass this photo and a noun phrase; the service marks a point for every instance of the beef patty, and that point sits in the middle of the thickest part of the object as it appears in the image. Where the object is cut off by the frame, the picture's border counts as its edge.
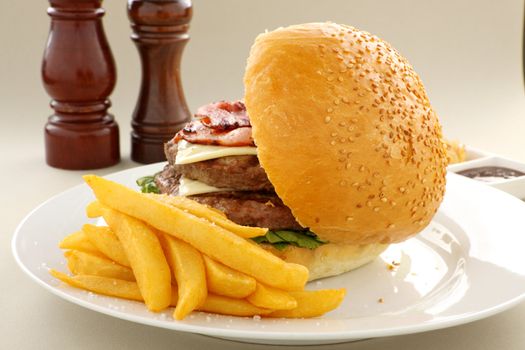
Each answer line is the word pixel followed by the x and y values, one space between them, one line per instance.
pixel 244 173
pixel 249 208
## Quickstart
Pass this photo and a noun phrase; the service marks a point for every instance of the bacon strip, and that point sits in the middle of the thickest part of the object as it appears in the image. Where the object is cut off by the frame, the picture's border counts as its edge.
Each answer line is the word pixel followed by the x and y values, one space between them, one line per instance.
pixel 221 123
pixel 224 115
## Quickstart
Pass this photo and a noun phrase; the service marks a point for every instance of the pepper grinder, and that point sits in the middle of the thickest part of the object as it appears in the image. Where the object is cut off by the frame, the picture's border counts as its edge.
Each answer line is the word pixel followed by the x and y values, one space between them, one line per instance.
pixel 160 32
pixel 78 73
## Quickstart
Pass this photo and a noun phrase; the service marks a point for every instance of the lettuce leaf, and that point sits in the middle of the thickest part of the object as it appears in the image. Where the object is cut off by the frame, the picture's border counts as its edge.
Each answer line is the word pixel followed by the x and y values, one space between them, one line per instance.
pixel 147 184
pixel 283 238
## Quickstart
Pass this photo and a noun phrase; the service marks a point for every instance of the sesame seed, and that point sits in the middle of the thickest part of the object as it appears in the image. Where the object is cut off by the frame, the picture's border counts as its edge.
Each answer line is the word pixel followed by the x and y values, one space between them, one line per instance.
pixel 349 218
pixel 330 110
pixel 327 119
pixel 376 209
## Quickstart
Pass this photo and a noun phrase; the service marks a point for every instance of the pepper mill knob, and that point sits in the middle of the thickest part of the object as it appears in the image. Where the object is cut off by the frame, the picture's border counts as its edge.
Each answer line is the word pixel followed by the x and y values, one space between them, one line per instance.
pixel 160 32
pixel 78 73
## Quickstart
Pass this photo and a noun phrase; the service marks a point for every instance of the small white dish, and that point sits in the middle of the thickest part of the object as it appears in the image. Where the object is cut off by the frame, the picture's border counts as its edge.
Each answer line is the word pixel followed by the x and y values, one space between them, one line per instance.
pixel 466 265
pixel 514 186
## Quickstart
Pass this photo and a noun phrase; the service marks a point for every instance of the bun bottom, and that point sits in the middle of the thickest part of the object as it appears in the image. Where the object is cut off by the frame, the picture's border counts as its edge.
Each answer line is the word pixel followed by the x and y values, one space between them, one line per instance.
pixel 330 259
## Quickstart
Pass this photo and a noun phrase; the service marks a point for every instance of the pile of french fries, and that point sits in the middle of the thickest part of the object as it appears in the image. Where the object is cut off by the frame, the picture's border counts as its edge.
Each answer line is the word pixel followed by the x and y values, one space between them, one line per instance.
pixel 174 252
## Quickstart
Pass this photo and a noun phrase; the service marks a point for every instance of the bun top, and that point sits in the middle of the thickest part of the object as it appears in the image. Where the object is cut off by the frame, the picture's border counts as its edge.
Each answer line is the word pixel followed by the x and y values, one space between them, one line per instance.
pixel 345 132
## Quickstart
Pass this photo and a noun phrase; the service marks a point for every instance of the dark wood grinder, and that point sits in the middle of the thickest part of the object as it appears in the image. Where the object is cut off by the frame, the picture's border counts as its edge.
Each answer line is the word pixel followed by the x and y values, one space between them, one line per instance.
pixel 160 32
pixel 79 74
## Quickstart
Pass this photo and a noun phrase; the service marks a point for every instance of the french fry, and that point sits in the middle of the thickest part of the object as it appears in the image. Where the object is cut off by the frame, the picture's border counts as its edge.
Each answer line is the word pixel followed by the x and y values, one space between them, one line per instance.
pixel 103 285
pixel 94 210
pixel 146 257
pixel 271 298
pixel 130 290
pixel 222 280
pixel 188 268
pixel 212 215
pixel 312 303
pixel 229 306
pixel 212 240
pixel 106 242
pixel 82 263
pixel 78 241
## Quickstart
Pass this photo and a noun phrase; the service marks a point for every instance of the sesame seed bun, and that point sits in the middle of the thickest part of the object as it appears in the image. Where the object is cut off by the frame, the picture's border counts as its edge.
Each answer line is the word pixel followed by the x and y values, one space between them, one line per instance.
pixel 345 132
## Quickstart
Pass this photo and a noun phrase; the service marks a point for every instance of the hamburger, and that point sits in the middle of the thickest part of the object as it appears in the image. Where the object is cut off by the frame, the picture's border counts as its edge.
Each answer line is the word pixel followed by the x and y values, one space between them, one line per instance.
pixel 336 149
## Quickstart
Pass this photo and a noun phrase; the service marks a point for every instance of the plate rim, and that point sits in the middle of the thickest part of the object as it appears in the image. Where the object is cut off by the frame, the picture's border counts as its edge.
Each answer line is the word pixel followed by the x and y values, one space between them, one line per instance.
pixel 233 333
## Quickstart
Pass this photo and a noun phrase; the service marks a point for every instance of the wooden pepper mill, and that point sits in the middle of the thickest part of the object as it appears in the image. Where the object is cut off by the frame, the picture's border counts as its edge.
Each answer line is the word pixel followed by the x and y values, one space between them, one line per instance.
pixel 79 74
pixel 160 32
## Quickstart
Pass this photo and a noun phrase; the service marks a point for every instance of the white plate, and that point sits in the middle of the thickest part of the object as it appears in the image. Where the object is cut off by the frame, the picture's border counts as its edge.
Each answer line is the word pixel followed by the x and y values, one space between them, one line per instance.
pixel 468 264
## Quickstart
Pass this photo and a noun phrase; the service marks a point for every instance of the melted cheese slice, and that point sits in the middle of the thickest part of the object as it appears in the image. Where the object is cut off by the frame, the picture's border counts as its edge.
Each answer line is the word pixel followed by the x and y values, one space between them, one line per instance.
pixel 188 187
pixel 192 153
